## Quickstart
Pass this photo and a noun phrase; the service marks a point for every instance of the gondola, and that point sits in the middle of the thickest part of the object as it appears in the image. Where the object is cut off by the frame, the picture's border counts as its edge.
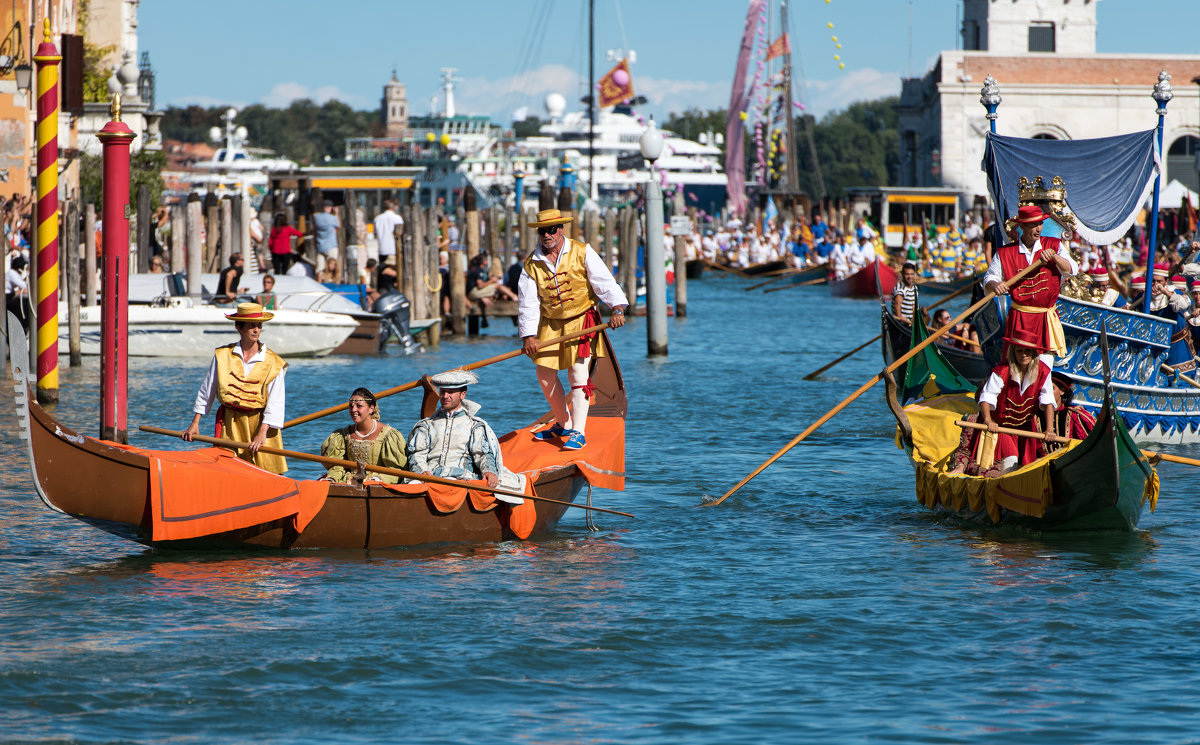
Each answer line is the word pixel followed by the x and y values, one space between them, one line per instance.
pixel 128 491
pixel 934 287
pixel 1099 483
pixel 876 279
pixel 897 339
pixel 765 267
pixel 694 268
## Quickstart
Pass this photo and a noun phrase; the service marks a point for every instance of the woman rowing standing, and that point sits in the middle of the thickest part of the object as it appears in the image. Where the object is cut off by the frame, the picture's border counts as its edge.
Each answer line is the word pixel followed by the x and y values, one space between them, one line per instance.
pixel 248 380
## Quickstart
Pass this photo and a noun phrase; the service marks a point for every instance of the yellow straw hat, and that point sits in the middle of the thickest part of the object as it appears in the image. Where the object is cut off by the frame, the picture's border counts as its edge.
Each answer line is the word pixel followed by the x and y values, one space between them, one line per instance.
pixel 251 312
pixel 546 218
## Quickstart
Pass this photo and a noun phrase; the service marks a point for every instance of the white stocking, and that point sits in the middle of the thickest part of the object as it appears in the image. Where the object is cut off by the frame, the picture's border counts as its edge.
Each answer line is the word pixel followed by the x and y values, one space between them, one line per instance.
pixel 580 403
pixel 555 395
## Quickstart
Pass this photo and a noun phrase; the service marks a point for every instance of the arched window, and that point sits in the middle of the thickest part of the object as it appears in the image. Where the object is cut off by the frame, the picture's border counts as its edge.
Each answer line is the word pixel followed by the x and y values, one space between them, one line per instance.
pixel 1181 161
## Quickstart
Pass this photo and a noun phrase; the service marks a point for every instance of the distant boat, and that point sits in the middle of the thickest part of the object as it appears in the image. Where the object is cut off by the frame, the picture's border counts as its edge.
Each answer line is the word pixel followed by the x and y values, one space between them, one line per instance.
pixel 875 280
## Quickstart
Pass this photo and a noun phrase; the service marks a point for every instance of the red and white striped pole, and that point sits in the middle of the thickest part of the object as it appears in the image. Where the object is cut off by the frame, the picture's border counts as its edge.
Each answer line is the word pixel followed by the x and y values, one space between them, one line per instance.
pixel 116 137
pixel 46 338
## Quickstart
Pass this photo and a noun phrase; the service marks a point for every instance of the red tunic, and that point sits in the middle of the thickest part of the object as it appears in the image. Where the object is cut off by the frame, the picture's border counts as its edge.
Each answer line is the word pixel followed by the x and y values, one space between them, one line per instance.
pixel 1038 290
pixel 1018 410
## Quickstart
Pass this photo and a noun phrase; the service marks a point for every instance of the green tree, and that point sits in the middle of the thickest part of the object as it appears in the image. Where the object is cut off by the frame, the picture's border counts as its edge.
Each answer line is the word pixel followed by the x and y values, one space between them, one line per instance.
pixel 527 127
pixel 95 77
pixel 145 169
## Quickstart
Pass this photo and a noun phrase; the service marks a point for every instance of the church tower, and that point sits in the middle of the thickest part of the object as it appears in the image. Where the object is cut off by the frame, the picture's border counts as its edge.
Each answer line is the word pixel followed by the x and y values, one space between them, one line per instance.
pixel 395 107
pixel 1021 26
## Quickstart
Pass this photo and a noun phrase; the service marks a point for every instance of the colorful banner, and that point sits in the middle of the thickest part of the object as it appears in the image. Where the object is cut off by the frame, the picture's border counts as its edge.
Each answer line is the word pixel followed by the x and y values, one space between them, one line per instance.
pixel 616 86
pixel 779 47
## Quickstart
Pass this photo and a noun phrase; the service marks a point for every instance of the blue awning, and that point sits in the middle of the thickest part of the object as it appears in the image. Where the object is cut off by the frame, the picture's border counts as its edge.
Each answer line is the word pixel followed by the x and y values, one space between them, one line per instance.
pixel 1107 179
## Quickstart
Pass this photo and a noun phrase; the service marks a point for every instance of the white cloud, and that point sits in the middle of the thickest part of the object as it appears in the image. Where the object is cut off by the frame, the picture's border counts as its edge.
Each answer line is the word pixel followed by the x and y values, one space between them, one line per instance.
pixel 282 94
pixel 862 84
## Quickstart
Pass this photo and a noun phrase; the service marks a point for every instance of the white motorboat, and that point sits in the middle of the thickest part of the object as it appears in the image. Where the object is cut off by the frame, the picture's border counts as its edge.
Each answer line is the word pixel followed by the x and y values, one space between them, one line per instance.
pixel 180 329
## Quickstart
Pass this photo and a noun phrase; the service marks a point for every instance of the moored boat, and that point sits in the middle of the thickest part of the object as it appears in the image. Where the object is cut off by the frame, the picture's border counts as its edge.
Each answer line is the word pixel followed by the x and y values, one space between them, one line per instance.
pixel 876 279
pixel 765 267
pixel 208 499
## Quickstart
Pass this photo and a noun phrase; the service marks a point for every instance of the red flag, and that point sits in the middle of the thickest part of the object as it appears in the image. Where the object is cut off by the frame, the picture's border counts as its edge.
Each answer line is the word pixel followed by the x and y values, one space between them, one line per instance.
pixel 1190 212
pixel 779 47
pixel 616 86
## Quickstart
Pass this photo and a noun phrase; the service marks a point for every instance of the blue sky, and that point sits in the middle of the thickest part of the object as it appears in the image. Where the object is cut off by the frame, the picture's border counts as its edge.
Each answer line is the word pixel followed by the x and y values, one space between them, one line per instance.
pixel 512 54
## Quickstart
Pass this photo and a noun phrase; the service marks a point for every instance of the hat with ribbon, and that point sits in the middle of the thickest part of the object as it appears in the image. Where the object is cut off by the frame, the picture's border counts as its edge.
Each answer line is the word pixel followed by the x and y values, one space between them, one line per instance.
pixel 1138 282
pixel 1179 282
pixel 549 218
pixel 1030 214
pixel 1025 338
pixel 1098 275
pixel 454 380
pixel 251 313
pixel 1162 271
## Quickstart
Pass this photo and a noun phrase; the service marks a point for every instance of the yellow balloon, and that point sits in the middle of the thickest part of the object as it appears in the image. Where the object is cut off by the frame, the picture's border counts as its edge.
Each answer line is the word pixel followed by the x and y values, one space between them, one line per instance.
pixel 842 66
pixel 839 46
pixel 742 115
pixel 445 139
pixel 834 38
pixel 830 24
pixel 430 136
pixel 837 56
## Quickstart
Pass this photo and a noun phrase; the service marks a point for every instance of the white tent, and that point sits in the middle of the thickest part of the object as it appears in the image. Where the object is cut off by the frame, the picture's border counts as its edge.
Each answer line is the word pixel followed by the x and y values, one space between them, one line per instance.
pixel 1171 197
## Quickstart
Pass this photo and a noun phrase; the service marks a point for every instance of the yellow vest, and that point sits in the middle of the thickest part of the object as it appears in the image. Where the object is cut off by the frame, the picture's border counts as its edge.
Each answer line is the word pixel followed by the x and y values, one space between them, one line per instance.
pixel 566 293
pixel 236 389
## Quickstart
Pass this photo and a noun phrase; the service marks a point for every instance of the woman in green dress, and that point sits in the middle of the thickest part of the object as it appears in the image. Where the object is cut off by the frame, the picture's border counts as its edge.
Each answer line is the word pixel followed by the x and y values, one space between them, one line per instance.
pixel 365 440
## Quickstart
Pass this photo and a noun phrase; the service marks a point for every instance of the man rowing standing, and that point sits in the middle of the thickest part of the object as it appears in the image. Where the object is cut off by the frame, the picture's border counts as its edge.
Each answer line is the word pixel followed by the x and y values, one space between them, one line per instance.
pixel 1033 298
pixel 560 288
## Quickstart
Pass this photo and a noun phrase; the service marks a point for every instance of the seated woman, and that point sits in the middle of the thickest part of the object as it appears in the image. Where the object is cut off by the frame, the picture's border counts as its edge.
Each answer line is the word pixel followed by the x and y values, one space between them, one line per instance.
pixel 967 337
pixel 366 440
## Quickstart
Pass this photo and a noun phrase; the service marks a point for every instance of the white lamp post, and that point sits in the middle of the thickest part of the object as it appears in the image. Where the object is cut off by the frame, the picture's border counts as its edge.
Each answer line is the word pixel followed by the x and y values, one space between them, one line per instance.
pixel 655 264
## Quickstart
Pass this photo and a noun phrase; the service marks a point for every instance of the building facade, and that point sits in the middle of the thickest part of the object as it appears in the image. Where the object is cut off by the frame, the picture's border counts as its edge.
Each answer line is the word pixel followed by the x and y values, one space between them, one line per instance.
pixel 1042 54
pixel 395 107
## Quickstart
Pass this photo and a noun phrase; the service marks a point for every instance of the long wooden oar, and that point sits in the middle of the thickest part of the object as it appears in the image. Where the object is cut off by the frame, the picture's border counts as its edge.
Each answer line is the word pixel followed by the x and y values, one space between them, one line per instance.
pixel 236 445
pixel 934 336
pixel 775 276
pixel 416 383
pixel 1172 371
pixel 817 281
pixel 727 269
pixel 1042 436
pixel 813 375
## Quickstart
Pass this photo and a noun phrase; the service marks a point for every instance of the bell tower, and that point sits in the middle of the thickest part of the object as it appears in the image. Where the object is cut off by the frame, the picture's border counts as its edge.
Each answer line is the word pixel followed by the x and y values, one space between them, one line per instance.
pixel 395 107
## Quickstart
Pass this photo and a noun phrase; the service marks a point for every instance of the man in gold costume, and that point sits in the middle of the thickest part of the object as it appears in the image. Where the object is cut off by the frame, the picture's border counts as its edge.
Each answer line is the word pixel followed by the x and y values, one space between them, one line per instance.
pixel 247 379
pixel 561 285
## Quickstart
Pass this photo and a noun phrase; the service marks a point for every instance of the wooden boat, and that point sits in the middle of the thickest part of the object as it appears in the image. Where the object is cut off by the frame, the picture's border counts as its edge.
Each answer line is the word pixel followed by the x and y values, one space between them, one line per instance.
pixel 1099 483
pixel 109 486
pixel 897 340
pixel 875 280
pixel 804 276
pixel 765 267
pixel 1154 407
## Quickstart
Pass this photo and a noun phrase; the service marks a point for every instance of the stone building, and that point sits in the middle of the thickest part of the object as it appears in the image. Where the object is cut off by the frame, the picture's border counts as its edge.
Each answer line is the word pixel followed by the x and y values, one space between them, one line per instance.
pixel 1054 85
pixel 113 24
pixel 395 107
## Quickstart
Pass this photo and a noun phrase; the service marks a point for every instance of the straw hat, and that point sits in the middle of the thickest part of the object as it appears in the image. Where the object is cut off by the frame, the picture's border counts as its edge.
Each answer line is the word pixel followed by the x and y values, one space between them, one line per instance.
pixel 251 312
pixel 547 218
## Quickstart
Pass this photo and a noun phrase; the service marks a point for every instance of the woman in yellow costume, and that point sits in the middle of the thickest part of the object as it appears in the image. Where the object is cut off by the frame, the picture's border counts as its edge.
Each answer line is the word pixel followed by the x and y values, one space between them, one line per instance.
pixel 246 379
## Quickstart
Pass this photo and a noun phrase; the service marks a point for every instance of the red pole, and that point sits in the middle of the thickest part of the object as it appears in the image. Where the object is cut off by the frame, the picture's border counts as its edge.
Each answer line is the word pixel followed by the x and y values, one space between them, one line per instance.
pixel 116 137
pixel 46 271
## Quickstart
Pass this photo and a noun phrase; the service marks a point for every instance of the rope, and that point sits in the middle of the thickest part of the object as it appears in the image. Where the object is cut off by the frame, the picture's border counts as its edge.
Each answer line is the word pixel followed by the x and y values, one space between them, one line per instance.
pixel 591 524
pixel 439 284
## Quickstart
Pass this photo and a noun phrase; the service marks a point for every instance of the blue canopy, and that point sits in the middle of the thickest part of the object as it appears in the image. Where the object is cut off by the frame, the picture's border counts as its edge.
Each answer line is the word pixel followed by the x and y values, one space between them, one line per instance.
pixel 1107 179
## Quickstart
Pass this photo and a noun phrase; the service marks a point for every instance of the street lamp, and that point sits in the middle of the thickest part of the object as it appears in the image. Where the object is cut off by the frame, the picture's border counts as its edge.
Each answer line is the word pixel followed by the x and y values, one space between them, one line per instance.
pixel 1163 93
pixel 651 143
pixel 24 75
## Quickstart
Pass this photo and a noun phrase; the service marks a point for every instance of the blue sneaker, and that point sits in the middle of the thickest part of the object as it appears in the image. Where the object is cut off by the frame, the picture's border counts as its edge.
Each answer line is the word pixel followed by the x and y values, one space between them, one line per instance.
pixel 555 432
pixel 574 440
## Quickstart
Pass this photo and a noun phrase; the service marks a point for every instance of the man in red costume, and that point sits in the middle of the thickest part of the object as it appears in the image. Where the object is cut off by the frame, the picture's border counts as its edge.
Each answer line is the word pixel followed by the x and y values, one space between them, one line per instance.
pixel 1033 298
pixel 1011 397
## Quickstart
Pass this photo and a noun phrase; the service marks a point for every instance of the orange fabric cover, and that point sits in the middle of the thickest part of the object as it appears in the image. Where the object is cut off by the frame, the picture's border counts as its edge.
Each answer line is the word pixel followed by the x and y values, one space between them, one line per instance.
pixel 203 492
pixel 601 461
pixel 521 518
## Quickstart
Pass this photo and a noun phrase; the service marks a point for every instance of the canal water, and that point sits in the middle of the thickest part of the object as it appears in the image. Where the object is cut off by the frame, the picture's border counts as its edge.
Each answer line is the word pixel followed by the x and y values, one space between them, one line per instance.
pixel 820 603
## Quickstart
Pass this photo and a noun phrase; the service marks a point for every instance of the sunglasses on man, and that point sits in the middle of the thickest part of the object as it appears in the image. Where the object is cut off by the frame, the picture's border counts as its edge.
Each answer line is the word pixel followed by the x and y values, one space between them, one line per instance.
pixel 548 231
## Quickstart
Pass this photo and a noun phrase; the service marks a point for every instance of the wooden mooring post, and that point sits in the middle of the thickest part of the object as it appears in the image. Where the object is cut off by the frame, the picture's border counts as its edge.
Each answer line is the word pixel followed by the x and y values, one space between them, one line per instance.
pixel 89 251
pixel 71 238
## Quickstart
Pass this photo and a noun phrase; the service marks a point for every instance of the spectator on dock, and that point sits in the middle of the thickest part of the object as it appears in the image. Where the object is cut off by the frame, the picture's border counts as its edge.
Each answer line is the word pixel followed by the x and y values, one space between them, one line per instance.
pixel 326 225
pixel 267 298
pixel 386 223
pixel 230 282
pixel 385 278
pixel 482 288
pixel 329 273
pixel 365 440
pixel 16 290
pixel 281 243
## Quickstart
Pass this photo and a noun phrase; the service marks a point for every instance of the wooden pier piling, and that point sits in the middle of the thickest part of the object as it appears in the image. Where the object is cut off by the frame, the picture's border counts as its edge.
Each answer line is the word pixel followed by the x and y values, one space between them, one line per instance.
pixel 195 249
pixel 71 244
pixel 89 253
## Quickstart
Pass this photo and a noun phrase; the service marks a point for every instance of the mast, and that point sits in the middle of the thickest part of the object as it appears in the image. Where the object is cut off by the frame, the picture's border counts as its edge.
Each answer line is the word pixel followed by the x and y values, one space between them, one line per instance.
pixel 591 99
pixel 793 173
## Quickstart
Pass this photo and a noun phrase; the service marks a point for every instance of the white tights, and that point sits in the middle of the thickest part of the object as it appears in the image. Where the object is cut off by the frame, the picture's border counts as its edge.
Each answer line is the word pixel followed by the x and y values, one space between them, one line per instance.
pixel 558 399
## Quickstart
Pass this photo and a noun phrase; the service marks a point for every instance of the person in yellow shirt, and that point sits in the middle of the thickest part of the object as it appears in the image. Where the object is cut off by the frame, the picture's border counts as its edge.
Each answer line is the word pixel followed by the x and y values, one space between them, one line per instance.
pixel 561 286
pixel 247 380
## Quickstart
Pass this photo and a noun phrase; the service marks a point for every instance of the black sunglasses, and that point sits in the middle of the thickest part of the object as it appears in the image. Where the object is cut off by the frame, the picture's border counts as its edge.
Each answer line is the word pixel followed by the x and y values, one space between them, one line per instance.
pixel 548 231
